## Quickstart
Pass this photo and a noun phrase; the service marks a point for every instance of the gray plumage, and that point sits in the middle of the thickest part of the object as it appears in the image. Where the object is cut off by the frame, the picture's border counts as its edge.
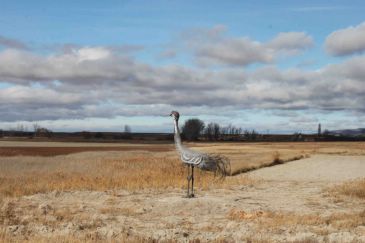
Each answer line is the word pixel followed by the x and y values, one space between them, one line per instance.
pixel 210 162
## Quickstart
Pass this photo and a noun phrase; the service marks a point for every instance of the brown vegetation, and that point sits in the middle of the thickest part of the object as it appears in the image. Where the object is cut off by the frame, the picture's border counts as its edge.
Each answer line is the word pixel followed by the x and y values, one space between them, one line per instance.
pixel 111 170
pixel 135 168
pixel 54 151
pixel 250 156
pixel 90 237
pixel 354 188
pixel 238 215
pixel 98 171
pixel 276 220
pixel 336 220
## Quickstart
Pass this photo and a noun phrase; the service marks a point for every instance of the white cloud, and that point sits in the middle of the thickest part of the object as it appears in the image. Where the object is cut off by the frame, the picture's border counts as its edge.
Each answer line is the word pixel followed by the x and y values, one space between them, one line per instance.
pixel 84 64
pixel 241 51
pixel 92 54
pixel 290 42
pixel 213 47
pixel 27 95
pixel 346 41
pixel 102 82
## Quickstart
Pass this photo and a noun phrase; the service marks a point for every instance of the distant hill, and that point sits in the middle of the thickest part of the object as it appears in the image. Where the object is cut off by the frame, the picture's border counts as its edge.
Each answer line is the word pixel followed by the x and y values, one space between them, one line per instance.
pixel 348 132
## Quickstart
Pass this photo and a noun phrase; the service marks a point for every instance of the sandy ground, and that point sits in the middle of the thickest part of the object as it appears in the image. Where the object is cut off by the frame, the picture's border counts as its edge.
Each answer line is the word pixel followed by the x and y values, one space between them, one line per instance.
pixel 240 213
pixel 49 149
pixel 318 168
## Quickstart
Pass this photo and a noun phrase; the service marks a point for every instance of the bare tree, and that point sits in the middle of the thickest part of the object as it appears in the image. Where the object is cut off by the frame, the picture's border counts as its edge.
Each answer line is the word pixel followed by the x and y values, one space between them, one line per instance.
pixel 21 128
pixel 36 127
pixel 216 131
pixel 231 130
pixel 43 132
pixel 192 129
pixel 209 131
pixel 250 135
pixel 127 129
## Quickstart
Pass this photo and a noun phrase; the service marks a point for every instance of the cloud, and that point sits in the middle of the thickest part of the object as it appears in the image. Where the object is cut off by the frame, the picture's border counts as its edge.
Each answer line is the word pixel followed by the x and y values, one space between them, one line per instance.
pixel 12 43
pixel 346 41
pixel 91 54
pixel 83 64
pixel 102 82
pixel 242 51
pixel 214 47
pixel 27 95
pixel 290 42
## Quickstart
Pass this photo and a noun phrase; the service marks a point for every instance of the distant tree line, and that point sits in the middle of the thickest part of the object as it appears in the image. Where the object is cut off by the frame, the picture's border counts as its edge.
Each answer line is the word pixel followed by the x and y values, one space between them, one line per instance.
pixel 194 129
pixel 22 131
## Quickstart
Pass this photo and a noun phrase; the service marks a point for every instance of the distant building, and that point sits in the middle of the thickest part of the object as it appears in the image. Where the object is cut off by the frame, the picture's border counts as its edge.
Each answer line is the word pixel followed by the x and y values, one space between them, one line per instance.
pixel 43 132
pixel 319 130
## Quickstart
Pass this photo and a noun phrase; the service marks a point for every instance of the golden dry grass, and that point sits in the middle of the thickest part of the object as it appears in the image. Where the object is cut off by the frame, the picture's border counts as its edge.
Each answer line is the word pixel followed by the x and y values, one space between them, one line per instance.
pixel 275 220
pixel 94 237
pixel 354 188
pixel 136 170
pixel 250 156
pixel 5 237
pixel 239 215
pixel 131 171
pixel 155 170
pixel 338 220
pixel 91 237
pixel 246 157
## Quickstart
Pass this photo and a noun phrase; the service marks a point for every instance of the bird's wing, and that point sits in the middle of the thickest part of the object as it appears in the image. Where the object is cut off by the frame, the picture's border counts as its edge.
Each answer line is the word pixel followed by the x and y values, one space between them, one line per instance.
pixel 192 157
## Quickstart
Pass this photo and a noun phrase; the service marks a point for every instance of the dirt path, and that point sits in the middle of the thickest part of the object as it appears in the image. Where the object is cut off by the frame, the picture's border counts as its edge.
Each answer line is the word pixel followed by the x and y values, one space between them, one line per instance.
pixel 318 168
pixel 54 151
pixel 245 212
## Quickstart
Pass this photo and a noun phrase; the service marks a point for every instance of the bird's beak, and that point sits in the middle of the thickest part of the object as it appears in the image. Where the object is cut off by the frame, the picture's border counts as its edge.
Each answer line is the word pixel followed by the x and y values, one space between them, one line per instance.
pixel 170 114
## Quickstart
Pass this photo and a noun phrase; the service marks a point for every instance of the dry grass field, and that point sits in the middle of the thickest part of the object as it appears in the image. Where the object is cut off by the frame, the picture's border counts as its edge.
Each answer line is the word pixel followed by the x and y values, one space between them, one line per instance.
pixel 77 192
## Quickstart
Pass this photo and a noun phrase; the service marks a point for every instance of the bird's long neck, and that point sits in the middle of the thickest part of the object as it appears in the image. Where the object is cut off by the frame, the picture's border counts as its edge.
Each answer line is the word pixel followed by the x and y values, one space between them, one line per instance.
pixel 177 137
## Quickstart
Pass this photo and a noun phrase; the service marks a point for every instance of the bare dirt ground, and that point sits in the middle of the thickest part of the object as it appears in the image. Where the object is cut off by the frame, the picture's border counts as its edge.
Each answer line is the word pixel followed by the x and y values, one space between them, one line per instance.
pixel 9 148
pixel 292 202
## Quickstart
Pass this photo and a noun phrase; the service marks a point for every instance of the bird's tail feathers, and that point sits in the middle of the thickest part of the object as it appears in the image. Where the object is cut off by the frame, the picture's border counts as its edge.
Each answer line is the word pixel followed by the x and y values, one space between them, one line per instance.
pixel 223 165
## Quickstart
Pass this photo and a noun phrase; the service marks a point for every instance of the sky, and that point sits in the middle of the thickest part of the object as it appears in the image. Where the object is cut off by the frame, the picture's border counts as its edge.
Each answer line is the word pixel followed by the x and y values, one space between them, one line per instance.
pixel 273 66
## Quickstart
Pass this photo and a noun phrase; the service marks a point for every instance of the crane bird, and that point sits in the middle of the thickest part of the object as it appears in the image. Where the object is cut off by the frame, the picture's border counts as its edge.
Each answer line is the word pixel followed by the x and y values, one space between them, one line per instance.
pixel 210 162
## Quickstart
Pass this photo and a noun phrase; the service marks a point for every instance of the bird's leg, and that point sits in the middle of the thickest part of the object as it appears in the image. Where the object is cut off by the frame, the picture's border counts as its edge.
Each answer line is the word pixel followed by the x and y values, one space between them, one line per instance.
pixel 192 181
pixel 189 178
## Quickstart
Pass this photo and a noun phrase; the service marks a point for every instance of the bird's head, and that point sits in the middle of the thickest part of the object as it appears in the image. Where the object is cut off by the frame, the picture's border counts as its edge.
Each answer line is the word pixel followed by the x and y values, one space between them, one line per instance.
pixel 175 115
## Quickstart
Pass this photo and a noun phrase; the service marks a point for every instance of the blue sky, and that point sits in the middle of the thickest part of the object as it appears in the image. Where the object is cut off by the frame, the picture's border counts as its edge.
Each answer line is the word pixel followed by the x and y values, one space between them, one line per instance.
pixel 97 65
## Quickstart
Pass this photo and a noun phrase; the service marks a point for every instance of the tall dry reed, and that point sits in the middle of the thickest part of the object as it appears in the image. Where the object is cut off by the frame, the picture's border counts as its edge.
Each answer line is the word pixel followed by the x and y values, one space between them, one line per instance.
pixel 98 171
